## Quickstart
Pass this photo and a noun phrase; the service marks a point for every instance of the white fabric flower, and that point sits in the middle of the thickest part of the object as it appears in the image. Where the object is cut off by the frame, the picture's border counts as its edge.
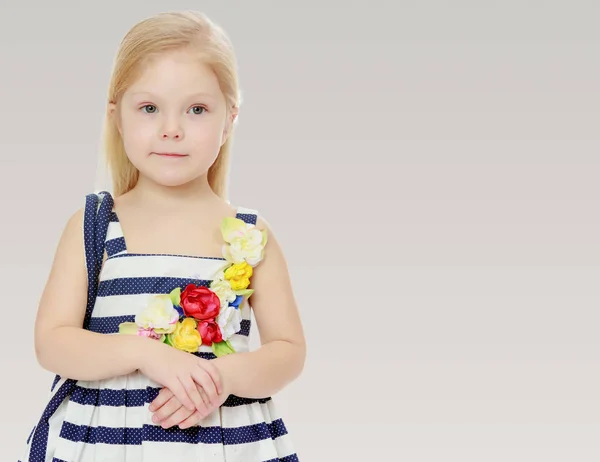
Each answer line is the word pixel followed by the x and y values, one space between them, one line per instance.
pixel 222 287
pixel 159 315
pixel 243 242
pixel 229 320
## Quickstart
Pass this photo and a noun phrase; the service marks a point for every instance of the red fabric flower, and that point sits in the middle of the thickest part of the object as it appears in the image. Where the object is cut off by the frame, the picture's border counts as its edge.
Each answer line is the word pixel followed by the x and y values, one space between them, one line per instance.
pixel 200 302
pixel 210 332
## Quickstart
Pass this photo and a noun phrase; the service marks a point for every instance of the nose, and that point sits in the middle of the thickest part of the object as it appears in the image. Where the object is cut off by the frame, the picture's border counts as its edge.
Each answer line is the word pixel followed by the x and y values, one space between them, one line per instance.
pixel 172 134
pixel 172 129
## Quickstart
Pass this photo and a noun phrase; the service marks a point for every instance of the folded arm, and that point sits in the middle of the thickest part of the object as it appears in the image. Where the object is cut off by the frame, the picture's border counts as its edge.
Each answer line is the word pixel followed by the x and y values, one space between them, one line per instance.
pixel 62 346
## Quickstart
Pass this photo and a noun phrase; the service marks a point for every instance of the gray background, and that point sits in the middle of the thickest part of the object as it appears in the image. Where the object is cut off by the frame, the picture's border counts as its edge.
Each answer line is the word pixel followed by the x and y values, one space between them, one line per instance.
pixel 431 170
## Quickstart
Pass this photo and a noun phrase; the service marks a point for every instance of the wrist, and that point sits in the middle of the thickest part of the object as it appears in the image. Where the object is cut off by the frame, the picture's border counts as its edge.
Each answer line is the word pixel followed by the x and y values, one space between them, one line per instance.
pixel 138 350
pixel 226 366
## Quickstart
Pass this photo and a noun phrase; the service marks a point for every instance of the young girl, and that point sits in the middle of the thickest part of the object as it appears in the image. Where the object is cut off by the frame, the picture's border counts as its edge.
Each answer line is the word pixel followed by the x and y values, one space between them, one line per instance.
pixel 146 315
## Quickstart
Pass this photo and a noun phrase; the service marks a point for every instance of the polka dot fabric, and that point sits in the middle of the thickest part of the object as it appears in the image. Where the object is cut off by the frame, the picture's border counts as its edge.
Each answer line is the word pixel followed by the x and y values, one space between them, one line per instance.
pixel 109 420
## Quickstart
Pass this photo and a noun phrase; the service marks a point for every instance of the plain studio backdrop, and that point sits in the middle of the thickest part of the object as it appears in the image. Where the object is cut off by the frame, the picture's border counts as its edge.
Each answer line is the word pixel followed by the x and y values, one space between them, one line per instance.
pixel 431 171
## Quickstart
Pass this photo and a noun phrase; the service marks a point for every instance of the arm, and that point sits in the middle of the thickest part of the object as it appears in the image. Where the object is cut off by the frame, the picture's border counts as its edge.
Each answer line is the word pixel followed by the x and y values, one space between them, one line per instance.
pixel 280 359
pixel 62 346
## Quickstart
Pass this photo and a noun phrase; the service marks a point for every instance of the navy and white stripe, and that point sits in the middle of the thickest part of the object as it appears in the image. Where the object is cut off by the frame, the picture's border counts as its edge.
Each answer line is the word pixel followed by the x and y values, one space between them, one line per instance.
pixel 109 419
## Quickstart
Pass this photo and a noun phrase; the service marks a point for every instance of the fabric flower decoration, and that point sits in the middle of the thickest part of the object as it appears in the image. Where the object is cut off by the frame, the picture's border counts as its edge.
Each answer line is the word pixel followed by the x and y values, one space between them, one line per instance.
pixel 239 275
pixel 158 318
pixel 185 337
pixel 237 302
pixel 210 332
pixel 223 289
pixel 200 302
pixel 150 333
pixel 159 315
pixel 200 315
pixel 229 321
pixel 244 242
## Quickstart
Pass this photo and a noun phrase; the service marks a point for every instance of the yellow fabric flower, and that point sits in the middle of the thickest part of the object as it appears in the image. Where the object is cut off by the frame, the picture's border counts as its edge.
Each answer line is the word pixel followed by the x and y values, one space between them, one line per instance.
pixel 239 275
pixel 186 337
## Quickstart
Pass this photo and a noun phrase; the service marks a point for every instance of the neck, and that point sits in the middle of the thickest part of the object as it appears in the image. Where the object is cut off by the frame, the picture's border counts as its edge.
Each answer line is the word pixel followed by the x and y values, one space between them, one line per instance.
pixel 198 190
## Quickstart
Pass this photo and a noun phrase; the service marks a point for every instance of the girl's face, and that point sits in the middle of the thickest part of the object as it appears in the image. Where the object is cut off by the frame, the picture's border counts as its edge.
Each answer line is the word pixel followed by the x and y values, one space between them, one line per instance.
pixel 173 120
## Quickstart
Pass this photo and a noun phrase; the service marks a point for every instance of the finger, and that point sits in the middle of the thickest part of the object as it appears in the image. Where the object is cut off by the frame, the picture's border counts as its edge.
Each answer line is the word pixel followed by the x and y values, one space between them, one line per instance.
pixel 192 391
pixel 206 409
pixel 167 410
pixel 214 373
pixel 180 392
pixel 192 420
pixel 202 378
pixel 178 416
pixel 206 400
pixel 163 396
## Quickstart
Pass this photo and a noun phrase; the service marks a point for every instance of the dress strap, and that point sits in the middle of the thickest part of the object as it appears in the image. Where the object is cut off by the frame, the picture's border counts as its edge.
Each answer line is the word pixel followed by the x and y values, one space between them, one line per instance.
pixel 247 215
pixel 98 207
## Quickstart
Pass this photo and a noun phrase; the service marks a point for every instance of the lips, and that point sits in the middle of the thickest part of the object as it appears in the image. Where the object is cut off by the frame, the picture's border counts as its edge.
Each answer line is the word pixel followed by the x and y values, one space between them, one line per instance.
pixel 170 154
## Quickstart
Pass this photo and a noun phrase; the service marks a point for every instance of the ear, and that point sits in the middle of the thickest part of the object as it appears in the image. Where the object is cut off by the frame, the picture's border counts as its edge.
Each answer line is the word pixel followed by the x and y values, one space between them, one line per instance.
pixel 229 124
pixel 114 114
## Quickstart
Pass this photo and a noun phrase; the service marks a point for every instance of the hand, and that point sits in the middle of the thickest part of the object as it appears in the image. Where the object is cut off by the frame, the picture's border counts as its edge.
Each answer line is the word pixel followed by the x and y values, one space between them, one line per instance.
pixel 169 411
pixel 181 372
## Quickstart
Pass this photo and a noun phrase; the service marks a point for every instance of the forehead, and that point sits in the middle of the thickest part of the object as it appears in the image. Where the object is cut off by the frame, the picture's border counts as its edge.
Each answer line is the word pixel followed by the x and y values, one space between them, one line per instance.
pixel 176 74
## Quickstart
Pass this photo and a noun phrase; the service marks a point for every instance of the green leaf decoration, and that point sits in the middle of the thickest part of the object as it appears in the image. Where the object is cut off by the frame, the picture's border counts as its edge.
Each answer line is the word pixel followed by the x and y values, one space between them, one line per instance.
pixel 264 237
pixel 128 328
pixel 222 348
pixel 231 224
pixel 244 292
pixel 176 296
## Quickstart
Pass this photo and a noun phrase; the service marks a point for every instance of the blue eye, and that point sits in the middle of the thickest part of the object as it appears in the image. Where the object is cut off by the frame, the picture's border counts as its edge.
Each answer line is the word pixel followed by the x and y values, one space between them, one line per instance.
pixel 149 106
pixel 151 109
pixel 200 108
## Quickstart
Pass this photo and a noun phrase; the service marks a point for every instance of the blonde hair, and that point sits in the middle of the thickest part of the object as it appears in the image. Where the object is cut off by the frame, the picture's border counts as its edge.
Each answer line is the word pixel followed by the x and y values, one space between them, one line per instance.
pixel 147 39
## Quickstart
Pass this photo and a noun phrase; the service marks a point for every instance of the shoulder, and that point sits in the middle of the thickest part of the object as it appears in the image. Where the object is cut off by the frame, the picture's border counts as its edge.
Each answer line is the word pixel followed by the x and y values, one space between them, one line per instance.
pixel 71 238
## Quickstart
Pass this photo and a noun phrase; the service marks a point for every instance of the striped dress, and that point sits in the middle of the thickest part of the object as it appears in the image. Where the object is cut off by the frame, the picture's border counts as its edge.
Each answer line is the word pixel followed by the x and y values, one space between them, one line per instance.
pixel 109 420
